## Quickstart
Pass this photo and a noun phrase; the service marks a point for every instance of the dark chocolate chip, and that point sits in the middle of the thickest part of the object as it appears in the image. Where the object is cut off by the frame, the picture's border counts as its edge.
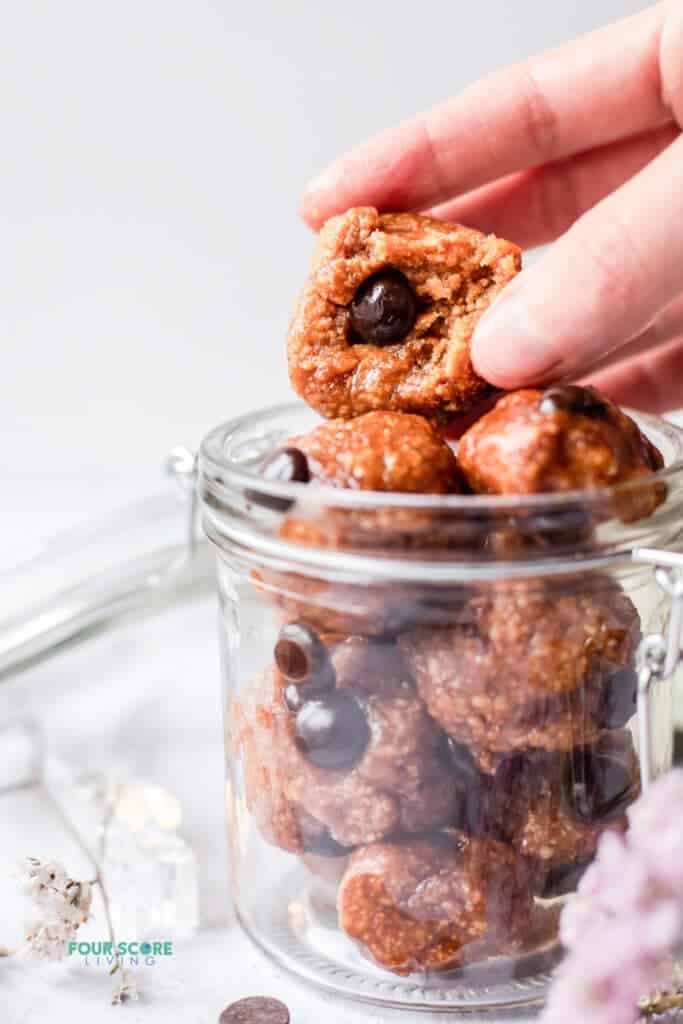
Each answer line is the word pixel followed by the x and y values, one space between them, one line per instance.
pixel 332 732
pixel 557 526
pixel 619 699
pixel 598 785
pixel 255 1010
pixel 564 879
pixel 284 465
pixel 300 654
pixel 572 398
pixel 324 845
pixel 460 759
pixel 384 308
pixel 295 695
pixel 474 811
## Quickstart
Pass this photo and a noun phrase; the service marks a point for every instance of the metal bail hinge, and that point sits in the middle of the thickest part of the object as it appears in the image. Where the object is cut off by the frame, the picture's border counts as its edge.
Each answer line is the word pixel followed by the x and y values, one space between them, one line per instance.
pixel 181 465
pixel 659 654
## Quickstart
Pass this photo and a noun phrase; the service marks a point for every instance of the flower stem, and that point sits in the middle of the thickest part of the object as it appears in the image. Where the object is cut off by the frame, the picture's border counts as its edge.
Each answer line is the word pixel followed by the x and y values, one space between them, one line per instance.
pixel 95 861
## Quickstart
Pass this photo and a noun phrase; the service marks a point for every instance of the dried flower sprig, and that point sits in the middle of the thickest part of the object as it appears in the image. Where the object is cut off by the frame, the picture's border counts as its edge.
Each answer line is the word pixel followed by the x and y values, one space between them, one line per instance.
pixel 63 902
pixel 627 917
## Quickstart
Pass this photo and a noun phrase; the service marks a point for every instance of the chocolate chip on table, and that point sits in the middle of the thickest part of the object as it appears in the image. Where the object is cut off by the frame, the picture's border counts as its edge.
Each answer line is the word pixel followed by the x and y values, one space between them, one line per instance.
pixel 572 398
pixel 255 1010
pixel 284 465
pixel 384 308
pixel 619 701
pixel 598 785
pixel 332 732
pixel 300 654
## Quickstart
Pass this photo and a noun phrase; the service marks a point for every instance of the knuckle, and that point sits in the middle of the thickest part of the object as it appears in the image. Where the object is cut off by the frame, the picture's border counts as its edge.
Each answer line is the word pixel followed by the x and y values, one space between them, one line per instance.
pixel 540 119
pixel 432 148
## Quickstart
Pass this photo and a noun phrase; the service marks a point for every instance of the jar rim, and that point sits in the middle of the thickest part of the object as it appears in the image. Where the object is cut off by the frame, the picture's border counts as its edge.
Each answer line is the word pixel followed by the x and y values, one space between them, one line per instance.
pixel 228 479
pixel 233 474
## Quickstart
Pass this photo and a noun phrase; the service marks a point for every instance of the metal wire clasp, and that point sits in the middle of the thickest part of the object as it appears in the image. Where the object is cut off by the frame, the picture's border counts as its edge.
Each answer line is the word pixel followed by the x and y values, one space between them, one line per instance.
pixel 659 654
pixel 181 466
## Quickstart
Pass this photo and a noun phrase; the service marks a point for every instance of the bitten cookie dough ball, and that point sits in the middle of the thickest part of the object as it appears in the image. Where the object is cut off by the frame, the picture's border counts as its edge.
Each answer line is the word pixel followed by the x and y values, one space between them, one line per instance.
pixel 564 439
pixel 528 665
pixel 350 753
pixel 388 312
pixel 430 903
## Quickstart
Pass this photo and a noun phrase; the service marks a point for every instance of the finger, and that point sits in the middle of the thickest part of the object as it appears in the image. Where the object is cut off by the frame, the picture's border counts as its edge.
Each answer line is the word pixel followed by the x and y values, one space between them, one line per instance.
pixel 652 382
pixel 666 327
pixel 537 206
pixel 572 99
pixel 601 283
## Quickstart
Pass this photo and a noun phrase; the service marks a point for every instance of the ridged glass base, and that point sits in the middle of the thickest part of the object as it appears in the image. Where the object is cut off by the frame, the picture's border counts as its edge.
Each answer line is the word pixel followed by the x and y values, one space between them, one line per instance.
pixel 295 924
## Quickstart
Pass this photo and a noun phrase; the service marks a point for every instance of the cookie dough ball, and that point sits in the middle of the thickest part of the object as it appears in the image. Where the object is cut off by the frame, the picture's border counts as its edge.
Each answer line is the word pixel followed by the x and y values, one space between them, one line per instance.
pixel 567 438
pixel 559 807
pixel 430 903
pixel 529 665
pixel 381 451
pixel 377 452
pixel 388 312
pixel 366 759
pixel 255 725
pixel 350 758
pixel 330 606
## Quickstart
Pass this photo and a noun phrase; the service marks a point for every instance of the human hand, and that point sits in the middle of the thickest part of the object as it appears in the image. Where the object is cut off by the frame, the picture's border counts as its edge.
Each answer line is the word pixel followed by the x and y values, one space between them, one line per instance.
pixel 582 145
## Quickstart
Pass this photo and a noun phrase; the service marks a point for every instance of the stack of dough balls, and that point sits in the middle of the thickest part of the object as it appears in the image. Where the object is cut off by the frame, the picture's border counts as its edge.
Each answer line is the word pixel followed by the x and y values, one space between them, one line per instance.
pixel 449 758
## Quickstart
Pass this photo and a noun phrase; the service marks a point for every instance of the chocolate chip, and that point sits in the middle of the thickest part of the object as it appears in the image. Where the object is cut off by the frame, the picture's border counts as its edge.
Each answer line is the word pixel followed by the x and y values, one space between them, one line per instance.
pixel 296 695
pixel 460 759
pixel 564 879
pixel 564 525
pixel 324 845
pixel 332 732
pixel 597 785
pixel 619 699
pixel 284 465
pixel 474 811
pixel 384 308
pixel 300 654
pixel 255 1010
pixel 572 398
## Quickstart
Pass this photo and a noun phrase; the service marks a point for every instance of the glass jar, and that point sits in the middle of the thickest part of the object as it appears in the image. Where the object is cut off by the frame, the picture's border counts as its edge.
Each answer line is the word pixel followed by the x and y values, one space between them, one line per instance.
pixel 434 707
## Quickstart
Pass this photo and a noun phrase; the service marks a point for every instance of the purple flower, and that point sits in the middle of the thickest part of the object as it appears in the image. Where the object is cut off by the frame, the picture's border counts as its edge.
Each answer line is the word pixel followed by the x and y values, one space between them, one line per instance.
pixel 627 916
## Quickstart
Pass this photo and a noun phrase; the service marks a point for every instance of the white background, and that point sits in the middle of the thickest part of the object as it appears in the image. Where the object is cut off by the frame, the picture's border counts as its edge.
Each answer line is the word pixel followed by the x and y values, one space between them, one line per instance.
pixel 153 152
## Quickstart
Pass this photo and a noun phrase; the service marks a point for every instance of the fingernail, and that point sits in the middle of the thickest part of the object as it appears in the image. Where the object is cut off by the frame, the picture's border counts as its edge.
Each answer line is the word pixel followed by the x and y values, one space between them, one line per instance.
pixel 312 208
pixel 325 181
pixel 508 348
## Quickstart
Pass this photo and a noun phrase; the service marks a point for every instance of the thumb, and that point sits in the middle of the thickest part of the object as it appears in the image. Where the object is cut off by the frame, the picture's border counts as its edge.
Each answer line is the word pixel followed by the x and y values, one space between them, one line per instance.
pixel 598 286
